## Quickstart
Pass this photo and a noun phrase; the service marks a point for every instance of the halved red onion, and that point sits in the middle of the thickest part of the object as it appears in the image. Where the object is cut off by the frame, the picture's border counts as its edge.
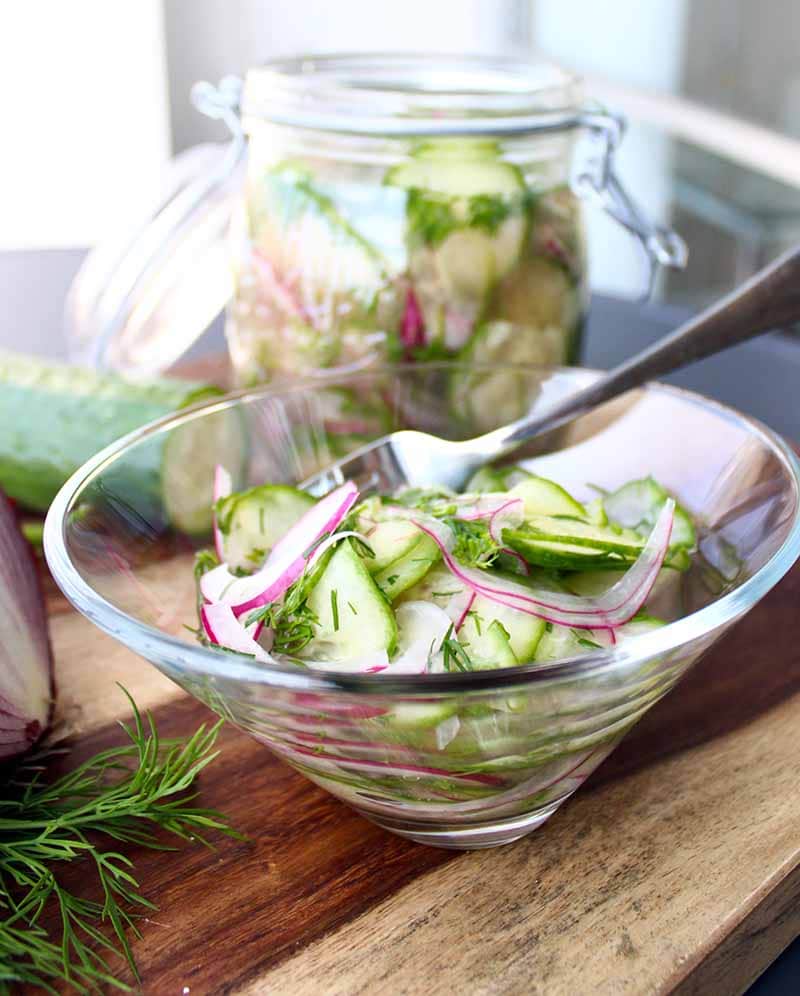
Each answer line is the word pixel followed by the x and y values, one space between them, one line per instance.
pixel 223 628
pixel 26 660
pixel 613 608
pixel 286 562
pixel 223 486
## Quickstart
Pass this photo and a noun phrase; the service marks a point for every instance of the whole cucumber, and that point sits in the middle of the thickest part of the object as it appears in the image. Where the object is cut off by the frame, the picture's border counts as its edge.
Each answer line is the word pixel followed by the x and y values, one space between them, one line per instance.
pixel 54 417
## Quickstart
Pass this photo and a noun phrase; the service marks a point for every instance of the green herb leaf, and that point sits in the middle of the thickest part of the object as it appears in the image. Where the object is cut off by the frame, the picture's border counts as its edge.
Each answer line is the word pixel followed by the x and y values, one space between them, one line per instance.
pixel 123 794
pixel 335 609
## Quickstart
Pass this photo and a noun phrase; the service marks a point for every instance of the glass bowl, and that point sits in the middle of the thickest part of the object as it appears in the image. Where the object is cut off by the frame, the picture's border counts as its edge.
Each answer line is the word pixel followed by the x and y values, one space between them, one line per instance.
pixel 526 737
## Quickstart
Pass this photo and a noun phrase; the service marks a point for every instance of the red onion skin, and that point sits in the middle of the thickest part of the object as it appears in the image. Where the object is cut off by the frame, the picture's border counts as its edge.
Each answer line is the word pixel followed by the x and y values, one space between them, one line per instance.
pixel 21 592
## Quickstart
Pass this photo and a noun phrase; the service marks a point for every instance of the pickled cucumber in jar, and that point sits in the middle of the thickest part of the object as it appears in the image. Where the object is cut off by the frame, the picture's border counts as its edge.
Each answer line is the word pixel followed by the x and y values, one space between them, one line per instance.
pixel 454 251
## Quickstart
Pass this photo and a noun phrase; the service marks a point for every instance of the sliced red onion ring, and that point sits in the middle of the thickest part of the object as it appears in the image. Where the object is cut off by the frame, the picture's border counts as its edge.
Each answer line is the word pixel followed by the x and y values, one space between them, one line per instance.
pixel 223 486
pixel 613 608
pixel 286 562
pixel 223 628
pixel 459 606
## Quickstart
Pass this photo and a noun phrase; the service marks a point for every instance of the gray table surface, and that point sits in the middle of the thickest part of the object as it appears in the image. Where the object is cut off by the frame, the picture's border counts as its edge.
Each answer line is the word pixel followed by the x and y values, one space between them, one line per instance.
pixel 761 378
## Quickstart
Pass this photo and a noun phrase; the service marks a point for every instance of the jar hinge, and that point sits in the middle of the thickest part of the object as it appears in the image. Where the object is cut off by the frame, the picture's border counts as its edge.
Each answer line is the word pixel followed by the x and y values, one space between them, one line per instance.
pixel 599 182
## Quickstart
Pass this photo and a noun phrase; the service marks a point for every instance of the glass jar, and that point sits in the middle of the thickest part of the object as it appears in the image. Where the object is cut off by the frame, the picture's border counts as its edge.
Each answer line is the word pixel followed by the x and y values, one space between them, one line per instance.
pixel 402 207
pixel 378 207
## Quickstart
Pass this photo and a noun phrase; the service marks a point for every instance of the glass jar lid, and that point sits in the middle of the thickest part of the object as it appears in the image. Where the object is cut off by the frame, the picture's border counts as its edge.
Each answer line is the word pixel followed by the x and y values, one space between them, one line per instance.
pixel 411 95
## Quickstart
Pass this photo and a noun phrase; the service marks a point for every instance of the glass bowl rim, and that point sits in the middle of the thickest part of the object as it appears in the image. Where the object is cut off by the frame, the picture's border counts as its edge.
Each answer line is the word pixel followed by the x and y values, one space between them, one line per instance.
pixel 200 660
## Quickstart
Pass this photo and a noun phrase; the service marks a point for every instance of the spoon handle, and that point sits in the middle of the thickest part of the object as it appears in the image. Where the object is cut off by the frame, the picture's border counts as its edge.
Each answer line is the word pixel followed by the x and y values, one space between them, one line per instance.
pixel 769 300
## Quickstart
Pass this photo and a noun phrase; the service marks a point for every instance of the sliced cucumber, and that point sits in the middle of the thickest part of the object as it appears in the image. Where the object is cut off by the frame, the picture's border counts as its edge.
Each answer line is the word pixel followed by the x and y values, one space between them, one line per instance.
pixel 390 541
pixel 522 630
pixel 496 479
pixel 638 626
pixel 353 618
pixel 438 586
pixel 595 512
pixel 420 715
pixel 607 539
pixel 559 555
pixel 637 504
pixel 537 294
pixel 407 570
pixel 252 522
pixel 488 644
pixel 542 497
pixel 665 599
pixel 467 220
pixel 561 642
pixel 466 170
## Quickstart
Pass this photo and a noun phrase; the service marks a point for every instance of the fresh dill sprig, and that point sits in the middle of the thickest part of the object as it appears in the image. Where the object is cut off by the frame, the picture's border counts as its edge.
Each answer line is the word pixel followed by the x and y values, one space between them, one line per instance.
pixel 124 794
pixel 474 545
pixel 454 654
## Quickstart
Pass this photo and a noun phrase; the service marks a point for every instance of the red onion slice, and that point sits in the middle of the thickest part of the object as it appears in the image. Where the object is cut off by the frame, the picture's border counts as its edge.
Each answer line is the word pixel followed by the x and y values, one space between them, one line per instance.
pixel 412 324
pixel 26 661
pixel 223 628
pixel 286 562
pixel 613 608
pixel 223 486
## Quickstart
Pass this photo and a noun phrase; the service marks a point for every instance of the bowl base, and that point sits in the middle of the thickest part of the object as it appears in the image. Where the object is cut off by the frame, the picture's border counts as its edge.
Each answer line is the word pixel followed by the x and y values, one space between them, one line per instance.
pixel 493 833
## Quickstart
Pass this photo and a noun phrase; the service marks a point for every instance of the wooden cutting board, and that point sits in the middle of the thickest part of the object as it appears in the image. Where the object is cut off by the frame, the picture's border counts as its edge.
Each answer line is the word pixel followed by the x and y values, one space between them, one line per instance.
pixel 676 868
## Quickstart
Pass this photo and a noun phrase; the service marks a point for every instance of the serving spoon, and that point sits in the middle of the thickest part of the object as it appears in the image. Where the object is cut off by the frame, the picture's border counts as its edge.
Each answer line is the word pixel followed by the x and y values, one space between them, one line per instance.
pixel 768 300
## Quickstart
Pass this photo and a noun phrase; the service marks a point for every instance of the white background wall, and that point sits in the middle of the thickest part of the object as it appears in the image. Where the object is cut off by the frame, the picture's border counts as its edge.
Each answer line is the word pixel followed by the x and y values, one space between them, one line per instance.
pixel 227 36
pixel 85 125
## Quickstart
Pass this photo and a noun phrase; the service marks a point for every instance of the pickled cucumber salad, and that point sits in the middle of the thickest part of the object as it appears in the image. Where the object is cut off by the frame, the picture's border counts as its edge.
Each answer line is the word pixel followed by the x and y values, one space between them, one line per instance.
pixel 512 571
pixel 455 250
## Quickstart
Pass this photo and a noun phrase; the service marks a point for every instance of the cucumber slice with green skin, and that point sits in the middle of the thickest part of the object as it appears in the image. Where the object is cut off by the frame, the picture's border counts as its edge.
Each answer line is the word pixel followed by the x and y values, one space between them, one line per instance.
pixel 466 170
pixel 637 504
pixel 467 219
pixel 561 556
pixel 407 570
pixel 487 644
pixel 595 512
pixel 353 618
pixel 522 631
pixel 390 541
pixel 489 479
pixel 542 497
pixel 605 539
pixel 56 417
pixel 252 522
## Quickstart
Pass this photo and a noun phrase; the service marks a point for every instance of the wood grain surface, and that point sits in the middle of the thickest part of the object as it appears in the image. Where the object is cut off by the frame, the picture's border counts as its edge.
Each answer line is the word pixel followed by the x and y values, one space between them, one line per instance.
pixel 675 868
